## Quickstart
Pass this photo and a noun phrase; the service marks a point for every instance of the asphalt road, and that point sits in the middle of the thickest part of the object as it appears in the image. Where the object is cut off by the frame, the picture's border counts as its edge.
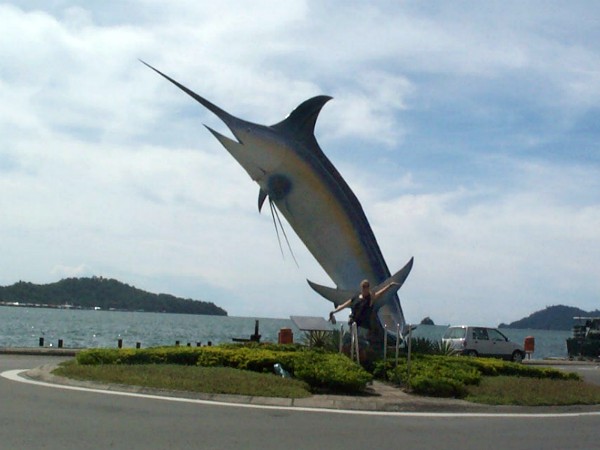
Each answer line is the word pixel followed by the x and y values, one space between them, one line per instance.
pixel 48 418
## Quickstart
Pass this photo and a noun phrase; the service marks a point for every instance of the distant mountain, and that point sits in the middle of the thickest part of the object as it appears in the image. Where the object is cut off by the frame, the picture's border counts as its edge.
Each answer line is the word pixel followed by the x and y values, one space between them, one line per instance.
pixel 104 293
pixel 558 317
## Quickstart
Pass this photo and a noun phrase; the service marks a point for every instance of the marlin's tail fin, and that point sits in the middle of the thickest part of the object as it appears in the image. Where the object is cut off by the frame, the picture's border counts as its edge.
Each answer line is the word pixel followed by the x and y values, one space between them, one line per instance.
pixel 338 296
pixel 399 278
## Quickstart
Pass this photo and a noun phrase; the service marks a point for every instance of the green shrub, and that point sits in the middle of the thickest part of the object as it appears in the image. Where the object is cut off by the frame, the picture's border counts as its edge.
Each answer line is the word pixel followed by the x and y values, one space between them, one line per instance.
pixel 431 373
pixel 497 367
pixel 422 345
pixel 159 355
pixel 444 348
pixel 99 356
pixel 330 371
pixel 326 340
pixel 264 346
pixel 320 369
pixel 439 376
pixel 438 386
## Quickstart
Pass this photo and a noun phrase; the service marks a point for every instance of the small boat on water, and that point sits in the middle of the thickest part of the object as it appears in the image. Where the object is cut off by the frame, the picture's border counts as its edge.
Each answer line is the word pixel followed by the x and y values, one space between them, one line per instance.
pixel 585 342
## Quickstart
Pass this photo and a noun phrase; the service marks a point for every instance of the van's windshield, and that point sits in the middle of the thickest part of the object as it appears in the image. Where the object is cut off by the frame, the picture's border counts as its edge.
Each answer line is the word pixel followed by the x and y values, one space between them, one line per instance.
pixel 455 333
pixel 495 335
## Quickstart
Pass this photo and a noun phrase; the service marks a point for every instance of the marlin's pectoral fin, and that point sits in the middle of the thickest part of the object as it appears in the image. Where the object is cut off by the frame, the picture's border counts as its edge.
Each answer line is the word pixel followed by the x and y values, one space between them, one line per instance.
pixel 336 296
pixel 238 152
pixel 399 278
pixel 262 196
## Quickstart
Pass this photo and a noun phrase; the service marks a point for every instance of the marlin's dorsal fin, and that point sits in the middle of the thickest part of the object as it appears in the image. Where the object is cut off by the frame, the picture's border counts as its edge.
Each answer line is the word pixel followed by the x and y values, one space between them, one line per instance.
pixel 336 296
pixel 301 121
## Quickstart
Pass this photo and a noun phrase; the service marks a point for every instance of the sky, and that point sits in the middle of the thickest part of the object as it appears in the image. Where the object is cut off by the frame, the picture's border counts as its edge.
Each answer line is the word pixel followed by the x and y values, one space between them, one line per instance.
pixel 469 132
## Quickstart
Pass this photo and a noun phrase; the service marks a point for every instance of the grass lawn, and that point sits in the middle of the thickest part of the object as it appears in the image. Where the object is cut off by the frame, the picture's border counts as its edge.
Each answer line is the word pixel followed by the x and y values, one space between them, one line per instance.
pixel 508 390
pixel 493 390
pixel 214 380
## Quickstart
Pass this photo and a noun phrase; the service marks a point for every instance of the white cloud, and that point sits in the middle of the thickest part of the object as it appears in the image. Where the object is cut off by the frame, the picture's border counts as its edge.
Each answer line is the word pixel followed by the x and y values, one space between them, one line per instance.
pixel 493 258
pixel 105 168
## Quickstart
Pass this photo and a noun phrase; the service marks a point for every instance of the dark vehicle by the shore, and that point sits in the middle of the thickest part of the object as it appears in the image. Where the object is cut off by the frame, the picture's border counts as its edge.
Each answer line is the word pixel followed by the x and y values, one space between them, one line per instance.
pixel 585 342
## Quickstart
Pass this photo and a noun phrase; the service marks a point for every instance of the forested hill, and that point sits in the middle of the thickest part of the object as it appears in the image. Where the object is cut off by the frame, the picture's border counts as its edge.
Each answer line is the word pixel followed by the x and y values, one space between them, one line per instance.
pixel 104 293
pixel 558 317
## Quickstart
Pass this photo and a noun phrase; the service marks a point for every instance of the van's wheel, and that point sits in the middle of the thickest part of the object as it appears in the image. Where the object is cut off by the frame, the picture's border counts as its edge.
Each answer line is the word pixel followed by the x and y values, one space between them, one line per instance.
pixel 472 353
pixel 517 356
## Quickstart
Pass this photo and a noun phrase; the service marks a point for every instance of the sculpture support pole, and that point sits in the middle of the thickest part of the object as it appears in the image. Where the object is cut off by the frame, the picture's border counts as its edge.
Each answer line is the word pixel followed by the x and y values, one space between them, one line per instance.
pixel 409 349
pixel 385 338
pixel 354 343
pixel 397 342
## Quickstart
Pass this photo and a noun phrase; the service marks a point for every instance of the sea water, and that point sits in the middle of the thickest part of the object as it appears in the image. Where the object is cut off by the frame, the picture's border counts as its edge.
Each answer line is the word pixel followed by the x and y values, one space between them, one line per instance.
pixel 23 327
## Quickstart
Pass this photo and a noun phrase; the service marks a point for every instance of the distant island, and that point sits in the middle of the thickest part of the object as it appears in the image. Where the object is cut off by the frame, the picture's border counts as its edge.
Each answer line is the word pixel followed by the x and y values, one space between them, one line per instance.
pixel 101 294
pixel 558 317
pixel 427 321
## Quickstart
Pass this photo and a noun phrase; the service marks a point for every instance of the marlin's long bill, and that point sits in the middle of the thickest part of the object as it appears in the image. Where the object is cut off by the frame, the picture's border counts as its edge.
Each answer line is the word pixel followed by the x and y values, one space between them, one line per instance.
pixel 295 175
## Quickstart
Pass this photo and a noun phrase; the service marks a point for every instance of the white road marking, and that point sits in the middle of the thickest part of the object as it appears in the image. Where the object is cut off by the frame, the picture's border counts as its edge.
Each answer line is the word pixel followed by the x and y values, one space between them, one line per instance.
pixel 14 375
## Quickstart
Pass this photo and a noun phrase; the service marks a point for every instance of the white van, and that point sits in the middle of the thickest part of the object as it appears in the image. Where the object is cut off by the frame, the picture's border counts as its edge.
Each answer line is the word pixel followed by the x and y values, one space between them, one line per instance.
pixel 482 341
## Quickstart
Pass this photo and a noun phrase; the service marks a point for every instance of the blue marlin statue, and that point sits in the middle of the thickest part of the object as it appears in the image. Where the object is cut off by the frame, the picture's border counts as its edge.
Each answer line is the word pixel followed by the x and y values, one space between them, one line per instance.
pixel 295 175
